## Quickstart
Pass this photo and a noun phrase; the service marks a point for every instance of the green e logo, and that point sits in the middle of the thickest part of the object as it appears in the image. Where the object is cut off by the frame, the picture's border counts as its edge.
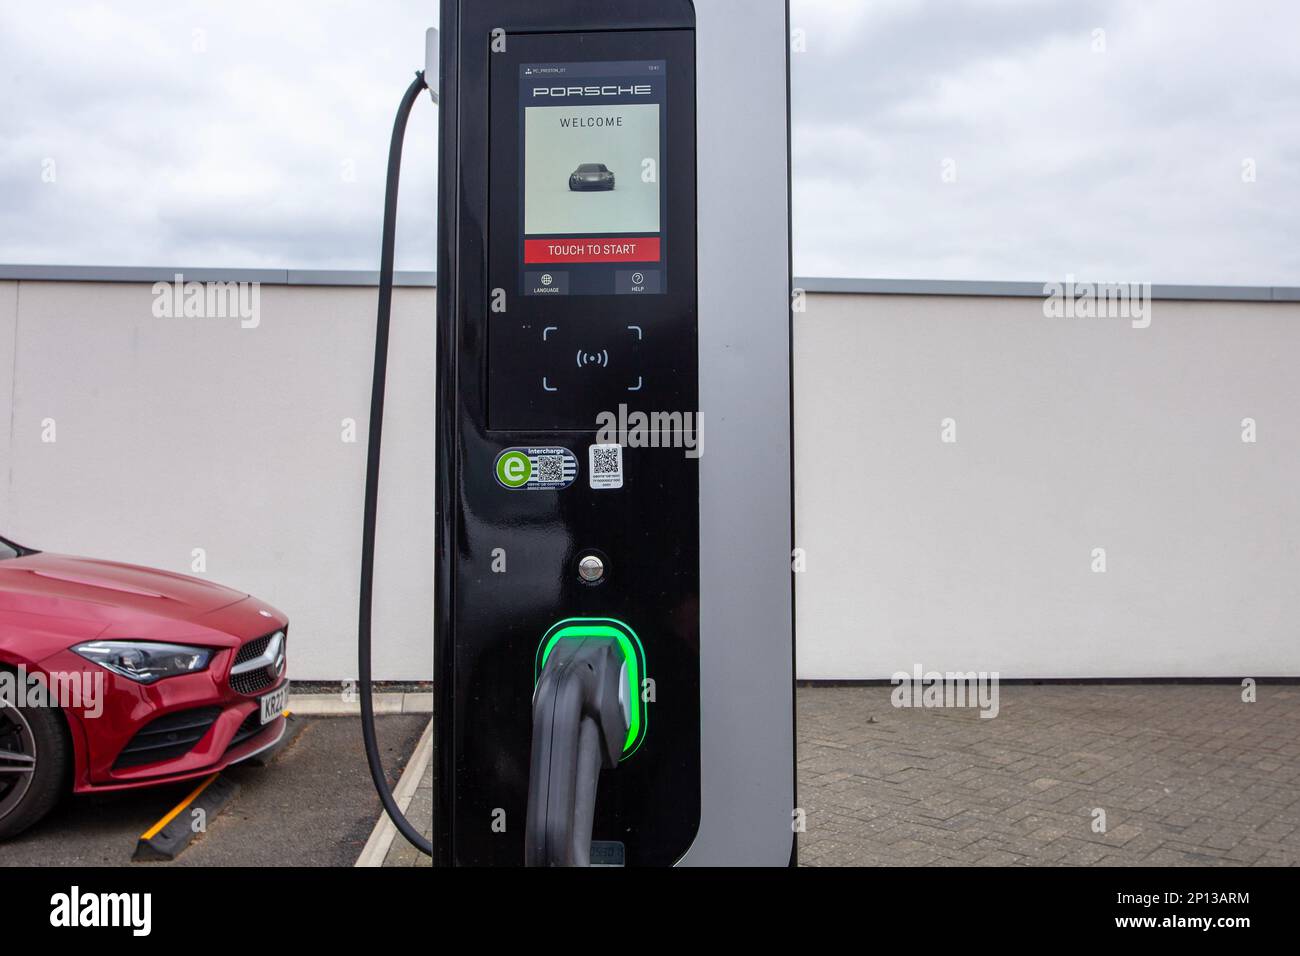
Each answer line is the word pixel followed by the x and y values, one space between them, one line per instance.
pixel 514 469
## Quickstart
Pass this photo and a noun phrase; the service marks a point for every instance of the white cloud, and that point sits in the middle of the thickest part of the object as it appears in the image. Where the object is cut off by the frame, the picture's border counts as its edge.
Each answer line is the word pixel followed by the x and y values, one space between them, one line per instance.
pixel 195 134
pixel 1121 165
pixel 189 133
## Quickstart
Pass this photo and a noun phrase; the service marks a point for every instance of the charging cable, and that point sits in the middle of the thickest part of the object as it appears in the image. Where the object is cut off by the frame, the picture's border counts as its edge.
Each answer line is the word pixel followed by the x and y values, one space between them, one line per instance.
pixel 404 826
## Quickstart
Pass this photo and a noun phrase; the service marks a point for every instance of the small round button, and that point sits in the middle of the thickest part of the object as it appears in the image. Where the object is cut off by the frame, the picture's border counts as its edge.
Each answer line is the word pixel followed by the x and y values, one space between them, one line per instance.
pixel 591 569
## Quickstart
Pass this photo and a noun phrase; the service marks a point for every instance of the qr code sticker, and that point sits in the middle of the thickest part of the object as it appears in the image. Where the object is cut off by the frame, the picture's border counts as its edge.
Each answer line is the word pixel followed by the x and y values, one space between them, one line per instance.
pixel 605 461
pixel 605 466
pixel 550 468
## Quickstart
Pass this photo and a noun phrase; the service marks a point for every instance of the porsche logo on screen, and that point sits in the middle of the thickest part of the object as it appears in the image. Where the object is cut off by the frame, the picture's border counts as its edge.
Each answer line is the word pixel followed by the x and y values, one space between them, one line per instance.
pixel 594 199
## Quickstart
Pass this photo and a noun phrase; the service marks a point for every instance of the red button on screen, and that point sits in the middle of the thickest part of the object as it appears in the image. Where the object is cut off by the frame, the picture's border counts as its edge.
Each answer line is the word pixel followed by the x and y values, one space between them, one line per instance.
pixel 645 249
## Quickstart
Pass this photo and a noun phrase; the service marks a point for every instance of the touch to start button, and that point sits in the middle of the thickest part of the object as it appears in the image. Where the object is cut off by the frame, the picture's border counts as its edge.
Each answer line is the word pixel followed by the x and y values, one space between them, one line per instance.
pixel 626 249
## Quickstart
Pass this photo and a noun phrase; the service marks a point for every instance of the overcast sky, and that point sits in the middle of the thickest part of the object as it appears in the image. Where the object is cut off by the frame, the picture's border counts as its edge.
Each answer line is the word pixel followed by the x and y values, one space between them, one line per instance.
pixel 949 139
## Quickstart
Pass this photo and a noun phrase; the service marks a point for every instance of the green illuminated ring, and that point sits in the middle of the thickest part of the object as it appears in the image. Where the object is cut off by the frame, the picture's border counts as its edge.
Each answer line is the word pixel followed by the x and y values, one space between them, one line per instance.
pixel 580 628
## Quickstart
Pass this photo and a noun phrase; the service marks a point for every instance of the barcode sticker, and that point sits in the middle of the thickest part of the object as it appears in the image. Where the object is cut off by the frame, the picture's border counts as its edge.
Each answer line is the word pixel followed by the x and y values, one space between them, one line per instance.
pixel 605 466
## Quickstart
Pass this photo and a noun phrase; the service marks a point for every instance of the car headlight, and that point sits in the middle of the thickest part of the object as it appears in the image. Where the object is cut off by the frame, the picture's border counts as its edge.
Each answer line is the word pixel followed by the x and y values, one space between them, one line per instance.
pixel 145 661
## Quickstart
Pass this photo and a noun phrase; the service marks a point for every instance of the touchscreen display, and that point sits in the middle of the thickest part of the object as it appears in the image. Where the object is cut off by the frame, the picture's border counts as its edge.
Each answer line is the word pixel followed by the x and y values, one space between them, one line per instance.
pixel 592 192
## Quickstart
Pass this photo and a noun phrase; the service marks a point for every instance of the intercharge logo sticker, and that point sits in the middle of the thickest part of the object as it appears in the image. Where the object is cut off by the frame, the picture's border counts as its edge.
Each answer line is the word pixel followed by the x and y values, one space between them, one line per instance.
pixel 536 469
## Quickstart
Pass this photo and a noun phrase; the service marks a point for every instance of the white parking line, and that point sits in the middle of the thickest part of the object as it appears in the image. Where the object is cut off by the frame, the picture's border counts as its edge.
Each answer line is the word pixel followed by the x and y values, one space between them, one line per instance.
pixel 381 838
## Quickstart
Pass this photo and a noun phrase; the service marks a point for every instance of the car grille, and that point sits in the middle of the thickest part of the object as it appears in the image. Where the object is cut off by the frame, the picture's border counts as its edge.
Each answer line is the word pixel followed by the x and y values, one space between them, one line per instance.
pixel 254 648
pixel 251 681
pixel 167 737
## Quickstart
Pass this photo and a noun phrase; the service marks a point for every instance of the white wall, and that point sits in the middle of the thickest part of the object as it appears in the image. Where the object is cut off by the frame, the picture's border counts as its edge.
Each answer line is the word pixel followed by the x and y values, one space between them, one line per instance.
pixel 1072 435
pixel 175 434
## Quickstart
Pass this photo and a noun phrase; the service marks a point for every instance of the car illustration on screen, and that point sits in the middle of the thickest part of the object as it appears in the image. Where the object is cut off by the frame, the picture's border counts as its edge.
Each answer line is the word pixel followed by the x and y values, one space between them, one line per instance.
pixel 591 177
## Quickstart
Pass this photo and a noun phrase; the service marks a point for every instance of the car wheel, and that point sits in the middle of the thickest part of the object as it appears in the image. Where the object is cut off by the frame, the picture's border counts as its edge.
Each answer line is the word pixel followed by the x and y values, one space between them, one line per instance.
pixel 34 756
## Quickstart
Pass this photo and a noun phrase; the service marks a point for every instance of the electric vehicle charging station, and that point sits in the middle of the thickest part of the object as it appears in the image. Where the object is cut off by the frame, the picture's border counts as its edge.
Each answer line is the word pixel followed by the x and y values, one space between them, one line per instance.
pixel 614 597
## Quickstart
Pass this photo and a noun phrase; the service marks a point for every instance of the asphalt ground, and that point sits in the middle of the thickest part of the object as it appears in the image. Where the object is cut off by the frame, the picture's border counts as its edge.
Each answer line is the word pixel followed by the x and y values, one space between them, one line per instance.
pixel 314 805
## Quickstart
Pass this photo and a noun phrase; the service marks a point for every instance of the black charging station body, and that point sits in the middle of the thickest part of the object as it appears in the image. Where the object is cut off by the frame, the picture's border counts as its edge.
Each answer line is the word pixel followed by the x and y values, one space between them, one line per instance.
pixel 553 311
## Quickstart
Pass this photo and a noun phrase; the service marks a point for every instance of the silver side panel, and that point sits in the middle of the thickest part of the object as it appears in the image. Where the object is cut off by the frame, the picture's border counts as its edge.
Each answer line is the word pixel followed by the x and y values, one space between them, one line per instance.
pixel 746 605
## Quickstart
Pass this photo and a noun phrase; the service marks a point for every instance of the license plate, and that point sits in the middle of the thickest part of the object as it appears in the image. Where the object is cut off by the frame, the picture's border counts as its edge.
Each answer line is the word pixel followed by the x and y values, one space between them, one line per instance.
pixel 273 704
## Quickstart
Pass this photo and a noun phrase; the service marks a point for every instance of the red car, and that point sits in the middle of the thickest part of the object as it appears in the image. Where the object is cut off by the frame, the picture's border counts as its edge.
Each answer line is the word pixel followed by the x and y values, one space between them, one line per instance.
pixel 114 676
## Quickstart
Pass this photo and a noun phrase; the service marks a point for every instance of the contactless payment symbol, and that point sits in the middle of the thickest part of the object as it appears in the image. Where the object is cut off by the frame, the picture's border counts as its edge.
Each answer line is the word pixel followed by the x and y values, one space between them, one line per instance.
pixel 536 469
